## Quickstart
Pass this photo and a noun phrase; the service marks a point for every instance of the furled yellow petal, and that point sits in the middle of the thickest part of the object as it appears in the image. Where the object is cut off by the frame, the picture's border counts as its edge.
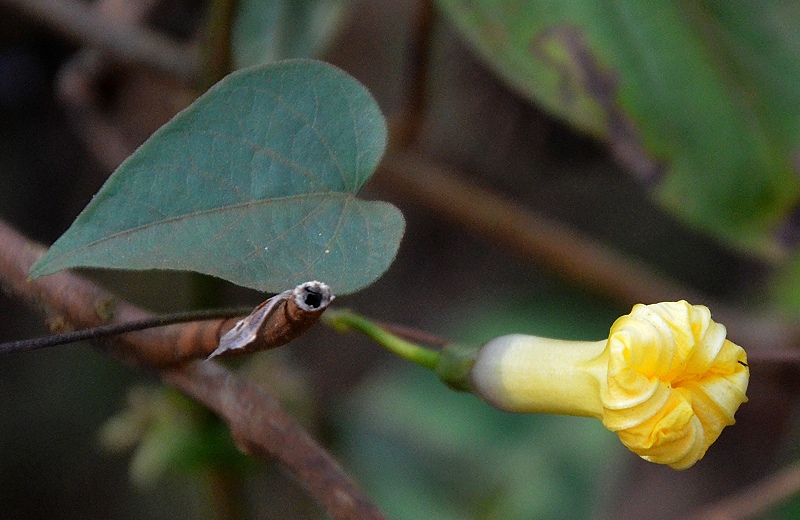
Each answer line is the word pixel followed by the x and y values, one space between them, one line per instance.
pixel 676 348
pixel 674 435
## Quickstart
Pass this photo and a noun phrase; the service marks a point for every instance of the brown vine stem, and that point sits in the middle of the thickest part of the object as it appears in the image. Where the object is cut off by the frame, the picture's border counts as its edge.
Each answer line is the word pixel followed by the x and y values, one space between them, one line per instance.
pixel 508 224
pixel 115 329
pixel 754 501
pixel 82 23
pixel 257 421
pixel 407 126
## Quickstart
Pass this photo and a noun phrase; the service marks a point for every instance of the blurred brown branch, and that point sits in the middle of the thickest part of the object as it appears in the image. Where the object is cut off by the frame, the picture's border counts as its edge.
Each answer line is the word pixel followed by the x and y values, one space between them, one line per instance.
pixel 574 257
pixel 81 80
pixel 125 41
pixel 757 499
pixel 257 421
pixel 505 223
pixel 407 127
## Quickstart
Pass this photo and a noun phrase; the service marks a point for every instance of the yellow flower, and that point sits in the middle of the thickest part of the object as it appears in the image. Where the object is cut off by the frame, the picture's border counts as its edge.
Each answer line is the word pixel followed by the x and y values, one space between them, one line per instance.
pixel 666 379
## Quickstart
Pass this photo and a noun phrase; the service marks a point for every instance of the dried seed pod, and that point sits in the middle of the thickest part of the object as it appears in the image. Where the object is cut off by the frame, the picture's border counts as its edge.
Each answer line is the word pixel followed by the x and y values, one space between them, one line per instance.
pixel 277 321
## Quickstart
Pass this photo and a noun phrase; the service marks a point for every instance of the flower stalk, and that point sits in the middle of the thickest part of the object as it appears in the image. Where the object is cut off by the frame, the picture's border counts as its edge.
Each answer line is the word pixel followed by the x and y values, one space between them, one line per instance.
pixel 344 320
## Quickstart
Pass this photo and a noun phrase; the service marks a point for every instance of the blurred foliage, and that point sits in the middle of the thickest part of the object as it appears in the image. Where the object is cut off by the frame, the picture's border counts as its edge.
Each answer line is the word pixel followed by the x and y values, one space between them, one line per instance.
pixel 168 432
pixel 267 31
pixel 787 511
pixel 698 100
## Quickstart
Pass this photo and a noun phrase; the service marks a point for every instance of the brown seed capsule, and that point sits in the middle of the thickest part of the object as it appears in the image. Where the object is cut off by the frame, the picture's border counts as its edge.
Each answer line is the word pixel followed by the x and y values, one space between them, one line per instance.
pixel 277 321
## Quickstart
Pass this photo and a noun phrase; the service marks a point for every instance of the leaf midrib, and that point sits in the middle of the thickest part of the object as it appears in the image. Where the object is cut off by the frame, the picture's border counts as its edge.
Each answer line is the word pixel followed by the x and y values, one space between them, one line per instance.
pixel 210 211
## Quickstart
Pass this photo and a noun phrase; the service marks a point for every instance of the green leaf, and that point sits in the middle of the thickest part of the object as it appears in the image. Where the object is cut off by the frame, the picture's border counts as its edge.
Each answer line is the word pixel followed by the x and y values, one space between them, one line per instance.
pixel 254 183
pixel 423 451
pixel 699 99
pixel 270 30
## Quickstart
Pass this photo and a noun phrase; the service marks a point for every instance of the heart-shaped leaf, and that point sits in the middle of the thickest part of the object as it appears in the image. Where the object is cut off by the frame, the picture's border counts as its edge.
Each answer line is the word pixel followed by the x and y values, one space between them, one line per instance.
pixel 254 183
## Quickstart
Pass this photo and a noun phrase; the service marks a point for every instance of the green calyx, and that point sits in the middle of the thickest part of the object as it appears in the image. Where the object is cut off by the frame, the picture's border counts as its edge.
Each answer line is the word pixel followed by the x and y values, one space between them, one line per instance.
pixel 454 366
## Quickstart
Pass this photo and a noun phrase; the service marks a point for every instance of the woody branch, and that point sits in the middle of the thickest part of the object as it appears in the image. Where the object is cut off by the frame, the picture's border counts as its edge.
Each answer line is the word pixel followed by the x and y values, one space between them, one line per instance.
pixel 257 421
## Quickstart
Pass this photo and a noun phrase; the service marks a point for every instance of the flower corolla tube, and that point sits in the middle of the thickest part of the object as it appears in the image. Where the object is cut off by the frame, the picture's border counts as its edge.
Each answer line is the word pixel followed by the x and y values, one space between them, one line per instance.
pixel 666 380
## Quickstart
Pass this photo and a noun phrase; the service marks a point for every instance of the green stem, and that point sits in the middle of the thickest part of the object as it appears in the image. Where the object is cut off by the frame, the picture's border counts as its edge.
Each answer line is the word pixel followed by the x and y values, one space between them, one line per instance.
pixel 344 320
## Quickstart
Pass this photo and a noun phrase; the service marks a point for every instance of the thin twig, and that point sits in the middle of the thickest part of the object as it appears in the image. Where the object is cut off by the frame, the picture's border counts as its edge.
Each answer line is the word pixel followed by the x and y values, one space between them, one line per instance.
pixel 344 320
pixel 413 334
pixel 756 499
pixel 256 419
pixel 85 25
pixel 115 329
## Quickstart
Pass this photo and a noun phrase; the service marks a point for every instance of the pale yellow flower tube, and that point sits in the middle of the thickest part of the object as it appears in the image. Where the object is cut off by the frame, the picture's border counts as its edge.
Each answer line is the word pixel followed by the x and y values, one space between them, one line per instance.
pixel 666 379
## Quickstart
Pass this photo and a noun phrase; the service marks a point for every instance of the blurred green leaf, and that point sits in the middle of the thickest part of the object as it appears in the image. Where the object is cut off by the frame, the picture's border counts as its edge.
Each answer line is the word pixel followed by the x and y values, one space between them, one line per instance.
pixel 699 99
pixel 557 312
pixel 424 451
pixel 270 30
pixel 254 183
pixel 788 510
pixel 169 432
